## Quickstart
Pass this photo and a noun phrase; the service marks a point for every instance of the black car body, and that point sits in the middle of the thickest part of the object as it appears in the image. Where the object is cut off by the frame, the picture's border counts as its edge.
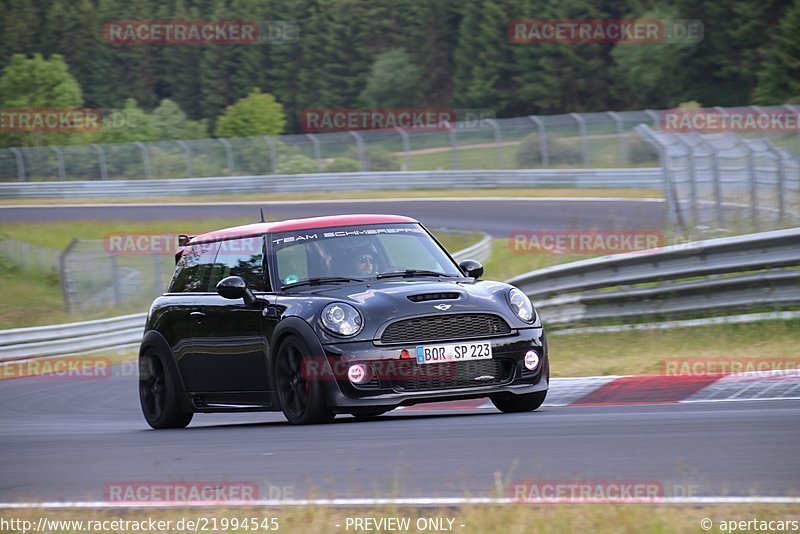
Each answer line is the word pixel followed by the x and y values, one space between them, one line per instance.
pixel 262 317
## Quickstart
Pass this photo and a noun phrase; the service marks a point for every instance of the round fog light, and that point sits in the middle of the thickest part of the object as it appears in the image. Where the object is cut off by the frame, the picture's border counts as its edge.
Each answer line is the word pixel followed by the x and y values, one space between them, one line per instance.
pixel 531 360
pixel 358 373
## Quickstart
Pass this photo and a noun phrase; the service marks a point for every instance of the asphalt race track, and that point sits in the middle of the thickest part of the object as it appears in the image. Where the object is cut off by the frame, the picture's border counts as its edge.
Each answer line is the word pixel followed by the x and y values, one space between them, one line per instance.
pixel 69 439
pixel 498 217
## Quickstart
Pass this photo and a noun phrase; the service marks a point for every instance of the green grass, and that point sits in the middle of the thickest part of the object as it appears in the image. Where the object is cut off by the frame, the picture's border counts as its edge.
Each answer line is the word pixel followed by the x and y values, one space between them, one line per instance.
pixel 644 352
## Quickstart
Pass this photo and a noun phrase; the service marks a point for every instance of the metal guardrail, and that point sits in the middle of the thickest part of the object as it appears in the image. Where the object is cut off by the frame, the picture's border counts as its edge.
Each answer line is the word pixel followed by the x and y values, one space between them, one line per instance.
pixel 644 177
pixel 117 332
pixel 751 272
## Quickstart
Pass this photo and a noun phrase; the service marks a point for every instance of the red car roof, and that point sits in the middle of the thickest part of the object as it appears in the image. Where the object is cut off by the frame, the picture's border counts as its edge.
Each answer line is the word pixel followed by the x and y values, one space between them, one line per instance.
pixel 300 224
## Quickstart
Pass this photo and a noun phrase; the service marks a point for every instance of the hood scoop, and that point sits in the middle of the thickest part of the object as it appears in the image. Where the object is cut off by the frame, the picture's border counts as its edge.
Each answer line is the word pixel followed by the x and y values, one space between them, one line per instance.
pixel 426 297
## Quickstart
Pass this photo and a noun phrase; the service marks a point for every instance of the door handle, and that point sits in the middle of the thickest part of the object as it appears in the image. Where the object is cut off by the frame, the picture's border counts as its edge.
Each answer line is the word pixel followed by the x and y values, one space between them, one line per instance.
pixel 197 316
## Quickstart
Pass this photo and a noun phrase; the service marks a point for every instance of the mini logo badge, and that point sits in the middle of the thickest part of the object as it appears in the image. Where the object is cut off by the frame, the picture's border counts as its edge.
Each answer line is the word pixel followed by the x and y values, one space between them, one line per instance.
pixel 442 307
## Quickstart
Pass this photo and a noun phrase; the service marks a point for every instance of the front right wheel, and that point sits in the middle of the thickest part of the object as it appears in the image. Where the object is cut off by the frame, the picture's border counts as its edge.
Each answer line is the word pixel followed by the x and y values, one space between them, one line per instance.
pixel 519 403
pixel 301 397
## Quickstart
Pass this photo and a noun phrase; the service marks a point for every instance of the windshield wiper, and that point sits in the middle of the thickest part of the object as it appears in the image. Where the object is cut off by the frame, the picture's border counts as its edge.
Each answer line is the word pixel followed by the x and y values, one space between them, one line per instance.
pixel 412 272
pixel 319 280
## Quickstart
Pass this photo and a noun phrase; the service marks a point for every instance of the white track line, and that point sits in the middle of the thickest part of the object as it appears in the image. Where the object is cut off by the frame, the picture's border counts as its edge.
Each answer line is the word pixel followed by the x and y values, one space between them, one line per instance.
pixel 417 501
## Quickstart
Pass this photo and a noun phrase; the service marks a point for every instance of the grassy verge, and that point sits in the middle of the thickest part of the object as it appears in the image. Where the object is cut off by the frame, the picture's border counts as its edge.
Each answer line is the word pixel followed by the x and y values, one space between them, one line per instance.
pixel 414 193
pixel 509 519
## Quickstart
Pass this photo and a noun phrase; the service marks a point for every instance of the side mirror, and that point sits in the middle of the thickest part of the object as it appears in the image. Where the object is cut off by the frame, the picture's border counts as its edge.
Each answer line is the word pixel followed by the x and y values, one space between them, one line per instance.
pixel 234 287
pixel 471 268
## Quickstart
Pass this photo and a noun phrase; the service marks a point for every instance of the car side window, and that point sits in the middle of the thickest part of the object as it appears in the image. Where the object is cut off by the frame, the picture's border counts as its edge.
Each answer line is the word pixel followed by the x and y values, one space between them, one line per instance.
pixel 193 271
pixel 240 257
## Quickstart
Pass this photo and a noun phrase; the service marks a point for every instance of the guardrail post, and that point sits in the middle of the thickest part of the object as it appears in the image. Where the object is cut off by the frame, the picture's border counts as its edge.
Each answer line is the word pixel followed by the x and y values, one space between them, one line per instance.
pixel 582 128
pixel 273 153
pixel 228 154
pixel 148 171
pixel 654 117
pixel 623 149
pixel 62 172
pixel 542 139
pixel 187 154
pixel 362 157
pixel 101 161
pixel 406 148
pixel 20 164
pixel 454 147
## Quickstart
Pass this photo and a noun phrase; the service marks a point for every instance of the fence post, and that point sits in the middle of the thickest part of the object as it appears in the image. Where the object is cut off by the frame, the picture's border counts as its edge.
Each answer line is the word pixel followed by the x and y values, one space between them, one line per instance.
pixel 406 148
pixel 317 154
pixel 582 129
pixel 157 282
pixel 62 172
pixel 692 177
pixel 498 142
pixel 542 139
pixel 454 147
pixel 20 164
pixel 654 117
pixel 145 159
pixel 751 171
pixel 187 154
pixel 228 154
pixel 273 153
pixel 116 282
pixel 101 160
pixel 781 179
pixel 362 157
pixel 623 149
pixel 67 290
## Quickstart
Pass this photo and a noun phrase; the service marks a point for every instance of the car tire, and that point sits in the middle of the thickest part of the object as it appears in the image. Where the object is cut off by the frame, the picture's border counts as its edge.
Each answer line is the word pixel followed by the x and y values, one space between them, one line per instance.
pixel 301 400
pixel 519 403
pixel 158 395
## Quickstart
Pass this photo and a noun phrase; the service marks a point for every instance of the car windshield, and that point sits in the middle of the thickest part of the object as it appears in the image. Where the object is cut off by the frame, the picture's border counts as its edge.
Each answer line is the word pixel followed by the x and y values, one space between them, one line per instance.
pixel 357 252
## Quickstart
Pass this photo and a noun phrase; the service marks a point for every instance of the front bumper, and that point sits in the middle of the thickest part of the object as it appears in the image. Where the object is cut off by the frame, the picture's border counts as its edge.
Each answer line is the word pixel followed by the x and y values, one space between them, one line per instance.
pixel 401 382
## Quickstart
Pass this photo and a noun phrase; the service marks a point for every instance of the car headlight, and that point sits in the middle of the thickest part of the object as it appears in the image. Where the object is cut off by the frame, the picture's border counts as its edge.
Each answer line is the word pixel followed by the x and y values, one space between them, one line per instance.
pixel 342 319
pixel 521 305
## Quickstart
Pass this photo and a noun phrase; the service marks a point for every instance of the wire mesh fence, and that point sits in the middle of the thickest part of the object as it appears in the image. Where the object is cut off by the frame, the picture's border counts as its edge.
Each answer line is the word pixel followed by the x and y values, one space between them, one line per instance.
pixel 573 140
pixel 728 181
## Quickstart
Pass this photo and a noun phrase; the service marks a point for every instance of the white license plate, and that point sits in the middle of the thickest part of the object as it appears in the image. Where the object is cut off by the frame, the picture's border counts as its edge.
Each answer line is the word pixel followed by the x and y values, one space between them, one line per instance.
pixel 453 352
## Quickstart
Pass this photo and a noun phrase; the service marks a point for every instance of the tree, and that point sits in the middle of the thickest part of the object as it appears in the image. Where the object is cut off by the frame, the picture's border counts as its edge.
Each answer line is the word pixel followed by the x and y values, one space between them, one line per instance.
pixel 170 122
pixel 779 77
pixel 256 114
pixel 394 82
pixel 127 125
pixel 37 83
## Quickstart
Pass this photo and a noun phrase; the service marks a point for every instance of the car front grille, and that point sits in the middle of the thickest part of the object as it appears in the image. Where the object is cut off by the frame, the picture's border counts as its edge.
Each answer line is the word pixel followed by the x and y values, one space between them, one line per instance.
pixel 452 375
pixel 445 327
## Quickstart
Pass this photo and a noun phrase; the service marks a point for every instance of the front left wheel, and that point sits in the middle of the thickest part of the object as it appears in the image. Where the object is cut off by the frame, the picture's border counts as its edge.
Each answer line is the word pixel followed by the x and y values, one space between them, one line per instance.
pixel 301 396
pixel 157 394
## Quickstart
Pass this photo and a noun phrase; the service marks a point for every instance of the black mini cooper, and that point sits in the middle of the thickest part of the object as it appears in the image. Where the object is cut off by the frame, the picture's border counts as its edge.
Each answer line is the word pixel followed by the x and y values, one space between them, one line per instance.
pixel 353 314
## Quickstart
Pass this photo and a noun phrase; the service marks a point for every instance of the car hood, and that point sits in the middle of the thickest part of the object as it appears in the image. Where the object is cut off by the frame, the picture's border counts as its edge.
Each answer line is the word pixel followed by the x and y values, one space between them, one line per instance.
pixel 384 301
